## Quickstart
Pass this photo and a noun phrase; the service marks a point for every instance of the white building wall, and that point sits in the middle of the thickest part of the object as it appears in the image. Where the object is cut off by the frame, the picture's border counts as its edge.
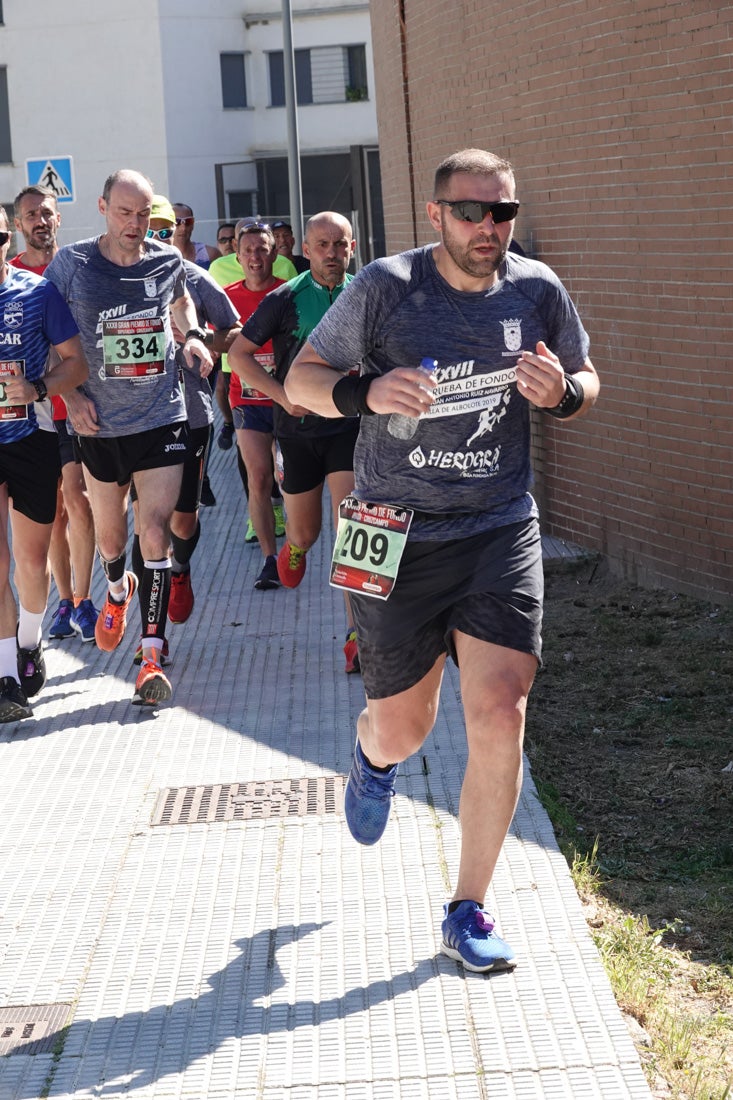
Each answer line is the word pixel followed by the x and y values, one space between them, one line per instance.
pixel 322 127
pixel 138 85
pixel 84 81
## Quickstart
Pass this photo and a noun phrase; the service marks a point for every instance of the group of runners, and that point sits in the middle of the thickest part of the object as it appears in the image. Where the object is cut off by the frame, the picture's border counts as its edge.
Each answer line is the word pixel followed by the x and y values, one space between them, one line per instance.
pixel 438 547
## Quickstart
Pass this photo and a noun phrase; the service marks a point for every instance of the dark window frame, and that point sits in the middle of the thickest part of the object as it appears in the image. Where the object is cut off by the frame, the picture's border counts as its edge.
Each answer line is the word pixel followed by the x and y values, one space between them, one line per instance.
pixel 358 75
pixel 303 77
pixel 6 144
pixel 233 72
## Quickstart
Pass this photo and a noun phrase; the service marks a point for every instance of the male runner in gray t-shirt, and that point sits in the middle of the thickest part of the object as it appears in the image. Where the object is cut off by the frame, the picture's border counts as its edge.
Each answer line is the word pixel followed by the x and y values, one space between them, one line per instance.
pixel 129 417
pixel 453 498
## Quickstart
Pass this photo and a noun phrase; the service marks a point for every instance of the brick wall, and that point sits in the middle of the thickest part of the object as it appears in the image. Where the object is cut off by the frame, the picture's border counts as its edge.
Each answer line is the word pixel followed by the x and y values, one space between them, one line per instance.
pixel 617 117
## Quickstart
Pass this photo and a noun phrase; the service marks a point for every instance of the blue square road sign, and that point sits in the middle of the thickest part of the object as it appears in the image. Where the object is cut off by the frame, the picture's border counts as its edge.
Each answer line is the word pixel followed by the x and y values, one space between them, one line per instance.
pixel 56 173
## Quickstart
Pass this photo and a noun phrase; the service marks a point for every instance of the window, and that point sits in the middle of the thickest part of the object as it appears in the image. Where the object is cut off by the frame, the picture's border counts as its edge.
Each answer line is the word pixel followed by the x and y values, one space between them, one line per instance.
pixel 357 73
pixel 324 74
pixel 6 152
pixel 303 83
pixel 233 81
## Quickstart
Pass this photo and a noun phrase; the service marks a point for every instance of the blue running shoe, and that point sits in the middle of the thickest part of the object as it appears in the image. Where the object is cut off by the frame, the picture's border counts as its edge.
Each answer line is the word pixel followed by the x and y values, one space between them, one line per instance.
pixel 84 619
pixel 61 625
pixel 469 937
pixel 368 798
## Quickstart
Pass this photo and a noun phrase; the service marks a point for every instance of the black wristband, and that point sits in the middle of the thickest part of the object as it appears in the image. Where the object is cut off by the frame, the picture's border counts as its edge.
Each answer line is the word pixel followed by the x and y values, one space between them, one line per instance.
pixel 197 334
pixel 350 393
pixel 572 399
pixel 40 387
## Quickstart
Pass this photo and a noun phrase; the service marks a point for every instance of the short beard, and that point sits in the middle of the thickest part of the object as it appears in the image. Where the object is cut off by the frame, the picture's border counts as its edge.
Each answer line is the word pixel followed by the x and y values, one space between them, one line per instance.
pixel 44 244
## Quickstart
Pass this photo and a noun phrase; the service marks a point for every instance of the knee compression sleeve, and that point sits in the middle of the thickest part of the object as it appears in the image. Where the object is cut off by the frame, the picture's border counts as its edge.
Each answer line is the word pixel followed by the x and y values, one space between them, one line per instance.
pixel 114 570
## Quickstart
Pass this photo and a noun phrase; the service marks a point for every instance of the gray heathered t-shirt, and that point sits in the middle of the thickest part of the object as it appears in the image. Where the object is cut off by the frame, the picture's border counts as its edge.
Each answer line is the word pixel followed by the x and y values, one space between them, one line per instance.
pixel 212 307
pixel 123 319
pixel 469 460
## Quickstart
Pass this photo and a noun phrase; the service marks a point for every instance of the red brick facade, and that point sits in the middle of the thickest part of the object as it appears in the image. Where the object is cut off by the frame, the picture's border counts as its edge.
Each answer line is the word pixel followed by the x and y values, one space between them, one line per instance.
pixel 618 119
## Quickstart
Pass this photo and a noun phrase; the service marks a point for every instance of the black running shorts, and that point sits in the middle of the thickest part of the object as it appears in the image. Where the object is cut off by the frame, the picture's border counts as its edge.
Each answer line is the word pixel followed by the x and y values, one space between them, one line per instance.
pixel 118 458
pixel 31 468
pixel 66 443
pixel 489 586
pixel 194 466
pixel 308 460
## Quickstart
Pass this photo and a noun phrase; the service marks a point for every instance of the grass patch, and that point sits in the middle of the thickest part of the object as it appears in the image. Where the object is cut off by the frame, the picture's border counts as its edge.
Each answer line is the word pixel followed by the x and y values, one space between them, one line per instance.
pixel 629 731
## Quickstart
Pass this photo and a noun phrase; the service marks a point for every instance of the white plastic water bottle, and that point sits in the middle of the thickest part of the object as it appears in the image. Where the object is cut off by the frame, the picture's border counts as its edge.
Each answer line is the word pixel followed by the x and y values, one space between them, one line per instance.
pixel 404 427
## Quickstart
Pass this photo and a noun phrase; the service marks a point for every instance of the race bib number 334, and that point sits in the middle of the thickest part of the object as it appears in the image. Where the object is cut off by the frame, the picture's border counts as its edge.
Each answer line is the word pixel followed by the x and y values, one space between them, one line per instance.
pixel 134 347
pixel 370 541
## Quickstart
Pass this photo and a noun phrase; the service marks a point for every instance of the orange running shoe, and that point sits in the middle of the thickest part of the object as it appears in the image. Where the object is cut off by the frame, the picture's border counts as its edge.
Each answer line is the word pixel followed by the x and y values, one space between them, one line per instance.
pixel 153 686
pixel 180 604
pixel 291 565
pixel 110 626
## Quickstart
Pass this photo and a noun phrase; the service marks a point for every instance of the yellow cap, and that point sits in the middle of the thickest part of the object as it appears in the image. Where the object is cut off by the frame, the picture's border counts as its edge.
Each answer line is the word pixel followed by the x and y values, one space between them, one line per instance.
pixel 162 210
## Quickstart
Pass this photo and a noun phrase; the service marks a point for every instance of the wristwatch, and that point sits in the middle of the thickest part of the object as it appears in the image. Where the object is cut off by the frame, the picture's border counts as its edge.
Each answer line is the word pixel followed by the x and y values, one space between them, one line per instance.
pixel 40 387
pixel 572 399
pixel 196 333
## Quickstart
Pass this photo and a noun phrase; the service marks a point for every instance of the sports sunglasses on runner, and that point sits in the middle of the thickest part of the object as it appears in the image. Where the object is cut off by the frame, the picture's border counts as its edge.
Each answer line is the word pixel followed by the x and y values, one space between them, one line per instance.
pixel 471 210
pixel 161 234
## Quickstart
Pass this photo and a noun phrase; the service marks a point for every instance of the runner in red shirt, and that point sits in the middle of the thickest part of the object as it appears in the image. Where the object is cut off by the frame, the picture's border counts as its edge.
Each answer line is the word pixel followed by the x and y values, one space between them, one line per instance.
pixel 252 410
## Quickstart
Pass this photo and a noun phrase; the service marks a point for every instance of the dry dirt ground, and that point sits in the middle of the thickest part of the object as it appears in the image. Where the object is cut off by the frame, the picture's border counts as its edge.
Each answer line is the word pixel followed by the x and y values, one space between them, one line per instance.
pixel 630 733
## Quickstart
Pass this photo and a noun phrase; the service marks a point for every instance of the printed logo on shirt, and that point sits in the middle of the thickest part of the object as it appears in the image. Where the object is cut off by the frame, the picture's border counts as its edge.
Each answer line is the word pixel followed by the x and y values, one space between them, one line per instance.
pixel 13 315
pixel 151 289
pixel 490 417
pixel 512 333
pixel 460 391
pixel 473 464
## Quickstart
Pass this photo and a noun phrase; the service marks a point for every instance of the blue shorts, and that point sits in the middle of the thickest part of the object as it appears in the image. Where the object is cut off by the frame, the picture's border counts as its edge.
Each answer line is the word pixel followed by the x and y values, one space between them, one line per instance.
pixel 253 418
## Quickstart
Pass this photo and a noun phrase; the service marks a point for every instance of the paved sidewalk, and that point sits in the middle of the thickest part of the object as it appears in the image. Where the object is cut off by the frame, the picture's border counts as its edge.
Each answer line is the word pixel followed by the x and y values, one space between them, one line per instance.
pixel 184 914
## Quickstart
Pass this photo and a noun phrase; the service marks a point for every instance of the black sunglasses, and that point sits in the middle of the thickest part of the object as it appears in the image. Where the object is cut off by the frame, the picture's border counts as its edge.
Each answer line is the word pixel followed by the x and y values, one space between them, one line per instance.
pixel 471 210
pixel 4 237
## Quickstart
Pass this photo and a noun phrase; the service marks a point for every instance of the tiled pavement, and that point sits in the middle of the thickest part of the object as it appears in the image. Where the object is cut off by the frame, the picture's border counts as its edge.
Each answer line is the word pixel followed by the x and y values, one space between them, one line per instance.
pixel 267 956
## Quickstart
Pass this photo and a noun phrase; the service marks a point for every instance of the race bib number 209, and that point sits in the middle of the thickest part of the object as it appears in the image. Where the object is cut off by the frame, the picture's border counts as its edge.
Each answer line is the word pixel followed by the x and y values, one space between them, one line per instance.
pixel 370 541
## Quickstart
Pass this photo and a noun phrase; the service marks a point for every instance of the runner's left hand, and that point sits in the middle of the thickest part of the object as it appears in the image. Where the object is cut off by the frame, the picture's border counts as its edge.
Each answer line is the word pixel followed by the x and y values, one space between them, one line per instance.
pixel 540 377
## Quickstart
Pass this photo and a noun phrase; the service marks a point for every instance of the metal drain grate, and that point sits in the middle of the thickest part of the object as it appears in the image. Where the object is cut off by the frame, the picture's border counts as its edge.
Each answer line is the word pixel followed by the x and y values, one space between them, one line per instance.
pixel 31 1029
pixel 318 795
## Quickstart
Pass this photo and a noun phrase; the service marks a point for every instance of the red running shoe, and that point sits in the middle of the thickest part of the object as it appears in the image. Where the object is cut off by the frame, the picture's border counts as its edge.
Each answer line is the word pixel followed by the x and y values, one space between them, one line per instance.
pixel 351 653
pixel 180 604
pixel 291 565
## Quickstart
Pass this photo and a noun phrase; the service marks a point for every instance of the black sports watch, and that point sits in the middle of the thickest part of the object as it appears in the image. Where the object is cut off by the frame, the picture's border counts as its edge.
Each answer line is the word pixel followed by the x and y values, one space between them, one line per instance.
pixel 572 399
pixel 40 387
pixel 195 333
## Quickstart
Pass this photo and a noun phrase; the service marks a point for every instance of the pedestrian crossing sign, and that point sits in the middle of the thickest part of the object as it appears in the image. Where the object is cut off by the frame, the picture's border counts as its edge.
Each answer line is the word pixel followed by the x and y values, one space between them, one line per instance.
pixel 56 173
